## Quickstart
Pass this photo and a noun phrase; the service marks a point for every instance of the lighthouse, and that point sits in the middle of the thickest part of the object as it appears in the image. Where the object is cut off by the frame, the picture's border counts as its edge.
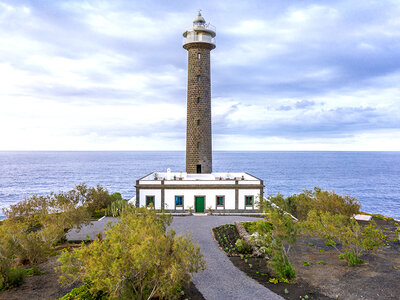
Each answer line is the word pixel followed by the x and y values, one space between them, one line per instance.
pixel 199 41
pixel 199 189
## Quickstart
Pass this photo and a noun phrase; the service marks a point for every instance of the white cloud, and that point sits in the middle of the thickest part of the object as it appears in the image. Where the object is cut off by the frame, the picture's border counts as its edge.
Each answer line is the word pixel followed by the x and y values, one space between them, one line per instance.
pixel 112 75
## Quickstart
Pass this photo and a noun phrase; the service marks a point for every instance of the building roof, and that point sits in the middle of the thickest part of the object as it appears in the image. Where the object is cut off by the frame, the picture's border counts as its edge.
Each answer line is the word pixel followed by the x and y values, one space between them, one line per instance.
pixel 199 177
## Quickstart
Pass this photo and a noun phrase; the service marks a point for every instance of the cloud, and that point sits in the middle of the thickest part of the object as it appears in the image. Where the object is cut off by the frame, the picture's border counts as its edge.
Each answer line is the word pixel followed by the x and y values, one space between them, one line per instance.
pixel 304 104
pixel 97 74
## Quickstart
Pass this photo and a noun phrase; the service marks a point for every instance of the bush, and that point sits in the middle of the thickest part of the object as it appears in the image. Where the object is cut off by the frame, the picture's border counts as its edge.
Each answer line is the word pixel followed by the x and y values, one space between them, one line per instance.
pixel 284 234
pixel 35 270
pixel 16 276
pixel 82 293
pixel 259 226
pixel 352 259
pixel 355 239
pixel 137 258
pixel 116 208
pixel 282 266
pixel 242 246
pixel 322 201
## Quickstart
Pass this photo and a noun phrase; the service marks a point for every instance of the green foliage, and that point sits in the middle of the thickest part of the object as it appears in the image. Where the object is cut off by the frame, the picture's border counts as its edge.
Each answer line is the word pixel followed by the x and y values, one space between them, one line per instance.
pixel 242 246
pixel 82 293
pixel 12 277
pixel 7 255
pixel 35 270
pixel 321 201
pixel 282 266
pixel 355 239
pixel 34 225
pixel 284 233
pixel 137 259
pixel 310 244
pixel 115 208
pixel 259 226
pixel 116 196
pixel 321 263
pixel 16 277
pixel 352 259
pixel 306 263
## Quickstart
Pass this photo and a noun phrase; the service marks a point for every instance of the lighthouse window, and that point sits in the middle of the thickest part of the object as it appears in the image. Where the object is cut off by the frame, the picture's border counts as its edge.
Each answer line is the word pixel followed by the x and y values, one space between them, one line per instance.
pixel 198 100
pixel 198 122
pixel 198 55
pixel 220 200
pixel 198 78
pixel 198 145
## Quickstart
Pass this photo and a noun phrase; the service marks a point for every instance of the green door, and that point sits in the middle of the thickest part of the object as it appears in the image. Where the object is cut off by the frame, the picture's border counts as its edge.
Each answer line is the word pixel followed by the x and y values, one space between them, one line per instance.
pixel 199 203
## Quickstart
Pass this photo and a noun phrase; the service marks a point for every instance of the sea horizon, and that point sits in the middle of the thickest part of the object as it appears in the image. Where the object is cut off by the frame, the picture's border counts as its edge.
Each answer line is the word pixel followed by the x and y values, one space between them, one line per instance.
pixel 370 176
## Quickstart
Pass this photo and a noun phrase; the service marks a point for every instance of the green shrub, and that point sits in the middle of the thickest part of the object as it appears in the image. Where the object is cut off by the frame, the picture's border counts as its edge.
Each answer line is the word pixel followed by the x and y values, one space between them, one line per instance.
pixel 242 246
pixel 352 259
pixel 137 259
pixel 322 201
pixel 115 208
pixel 82 293
pixel 282 266
pixel 306 263
pixel 16 277
pixel 322 263
pixel 259 226
pixel 33 271
pixel 355 239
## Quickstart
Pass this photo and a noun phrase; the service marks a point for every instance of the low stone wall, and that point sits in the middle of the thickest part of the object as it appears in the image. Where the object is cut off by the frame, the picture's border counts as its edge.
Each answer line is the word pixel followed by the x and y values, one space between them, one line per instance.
pixel 244 235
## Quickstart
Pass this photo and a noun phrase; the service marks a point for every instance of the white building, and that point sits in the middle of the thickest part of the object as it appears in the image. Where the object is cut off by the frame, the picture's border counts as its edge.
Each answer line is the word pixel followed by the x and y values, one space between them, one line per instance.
pixel 178 192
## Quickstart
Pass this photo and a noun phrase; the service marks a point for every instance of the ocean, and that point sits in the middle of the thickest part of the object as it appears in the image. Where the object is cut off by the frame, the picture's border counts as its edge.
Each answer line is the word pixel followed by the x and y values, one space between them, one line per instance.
pixel 372 177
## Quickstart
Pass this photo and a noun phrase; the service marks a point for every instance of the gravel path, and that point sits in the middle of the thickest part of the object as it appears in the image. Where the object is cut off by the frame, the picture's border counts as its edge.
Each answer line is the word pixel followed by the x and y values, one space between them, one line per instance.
pixel 221 280
pixel 89 230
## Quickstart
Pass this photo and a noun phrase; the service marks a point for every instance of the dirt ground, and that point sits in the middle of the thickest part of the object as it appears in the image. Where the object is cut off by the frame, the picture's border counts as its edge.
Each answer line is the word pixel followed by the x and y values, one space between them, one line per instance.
pixel 39 287
pixel 377 278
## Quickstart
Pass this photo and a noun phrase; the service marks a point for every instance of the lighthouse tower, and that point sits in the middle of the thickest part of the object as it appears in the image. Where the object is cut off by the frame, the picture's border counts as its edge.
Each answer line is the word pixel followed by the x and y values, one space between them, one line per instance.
pixel 199 41
pixel 198 189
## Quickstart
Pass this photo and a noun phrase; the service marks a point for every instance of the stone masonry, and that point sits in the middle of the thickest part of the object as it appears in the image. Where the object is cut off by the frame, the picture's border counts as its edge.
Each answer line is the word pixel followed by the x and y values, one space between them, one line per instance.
pixel 198 130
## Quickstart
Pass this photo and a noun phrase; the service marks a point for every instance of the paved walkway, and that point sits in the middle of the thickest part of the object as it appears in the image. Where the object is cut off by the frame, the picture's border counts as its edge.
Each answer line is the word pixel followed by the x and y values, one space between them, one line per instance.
pixel 89 230
pixel 221 280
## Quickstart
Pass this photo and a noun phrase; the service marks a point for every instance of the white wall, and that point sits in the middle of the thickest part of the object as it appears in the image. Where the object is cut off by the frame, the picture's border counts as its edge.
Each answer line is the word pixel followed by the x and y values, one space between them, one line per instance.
pixel 209 200
pixel 155 193
pixel 189 196
pixel 255 193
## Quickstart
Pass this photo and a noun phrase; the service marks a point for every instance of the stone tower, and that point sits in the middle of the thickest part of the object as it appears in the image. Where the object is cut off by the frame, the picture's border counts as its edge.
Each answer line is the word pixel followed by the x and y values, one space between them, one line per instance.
pixel 199 41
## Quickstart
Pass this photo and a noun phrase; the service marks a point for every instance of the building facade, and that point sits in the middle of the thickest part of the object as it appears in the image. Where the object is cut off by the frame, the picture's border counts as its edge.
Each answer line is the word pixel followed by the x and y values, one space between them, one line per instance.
pixel 180 192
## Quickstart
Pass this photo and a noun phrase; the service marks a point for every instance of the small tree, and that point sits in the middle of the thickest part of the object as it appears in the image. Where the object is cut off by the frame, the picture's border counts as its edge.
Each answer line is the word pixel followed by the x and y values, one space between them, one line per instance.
pixel 7 255
pixel 137 259
pixel 355 239
pixel 116 208
pixel 322 201
pixel 284 234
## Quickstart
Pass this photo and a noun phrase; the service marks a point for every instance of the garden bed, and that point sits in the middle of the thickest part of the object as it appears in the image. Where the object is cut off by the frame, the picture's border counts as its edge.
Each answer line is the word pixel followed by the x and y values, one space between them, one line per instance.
pixel 256 267
pixel 321 274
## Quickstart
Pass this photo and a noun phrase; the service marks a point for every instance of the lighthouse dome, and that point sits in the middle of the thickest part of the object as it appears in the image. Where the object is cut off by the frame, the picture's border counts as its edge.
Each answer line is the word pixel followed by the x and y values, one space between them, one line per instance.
pixel 199 20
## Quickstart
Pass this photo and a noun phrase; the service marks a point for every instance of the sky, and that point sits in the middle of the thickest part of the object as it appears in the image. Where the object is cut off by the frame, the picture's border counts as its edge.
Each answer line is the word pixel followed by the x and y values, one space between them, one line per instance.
pixel 286 75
